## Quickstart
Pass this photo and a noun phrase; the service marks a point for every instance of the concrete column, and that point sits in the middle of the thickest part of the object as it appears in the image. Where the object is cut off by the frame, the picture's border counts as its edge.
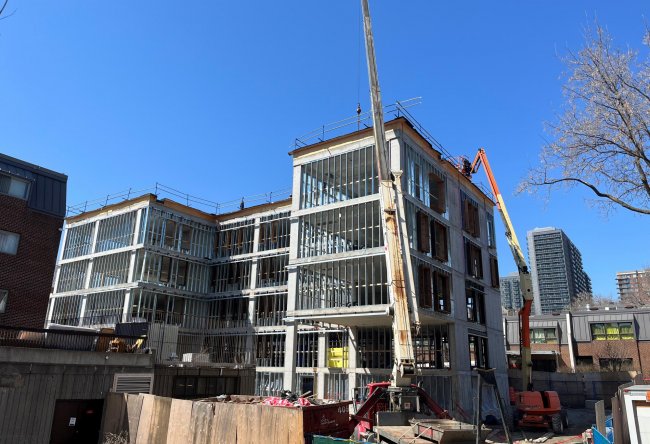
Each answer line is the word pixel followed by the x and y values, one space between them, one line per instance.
pixel 57 271
pixel 132 262
pixel 352 360
pixel 458 347
pixel 254 264
pixel 290 356
pixel 50 305
pixel 89 269
pixel 94 242
pixel 82 312
pixel 64 237
pixel 322 363
pixel 569 334
pixel 126 307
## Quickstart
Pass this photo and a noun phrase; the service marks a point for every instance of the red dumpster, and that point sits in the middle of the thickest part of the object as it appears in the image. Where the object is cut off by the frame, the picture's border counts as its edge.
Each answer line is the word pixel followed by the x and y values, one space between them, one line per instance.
pixel 328 419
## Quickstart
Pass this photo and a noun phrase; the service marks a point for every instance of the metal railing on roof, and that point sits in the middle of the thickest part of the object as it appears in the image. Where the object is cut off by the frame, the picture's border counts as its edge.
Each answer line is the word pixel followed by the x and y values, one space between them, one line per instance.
pixel 364 120
pixel 162 191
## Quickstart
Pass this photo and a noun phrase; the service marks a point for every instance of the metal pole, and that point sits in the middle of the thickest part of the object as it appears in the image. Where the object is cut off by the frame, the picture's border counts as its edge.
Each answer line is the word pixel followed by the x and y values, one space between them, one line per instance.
pixel 477 413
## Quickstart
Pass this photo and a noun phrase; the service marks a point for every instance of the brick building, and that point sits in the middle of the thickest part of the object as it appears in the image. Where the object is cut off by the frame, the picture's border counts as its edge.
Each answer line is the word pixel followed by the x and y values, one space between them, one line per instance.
pixel 633 286
pixel 608 338
pixel 32 207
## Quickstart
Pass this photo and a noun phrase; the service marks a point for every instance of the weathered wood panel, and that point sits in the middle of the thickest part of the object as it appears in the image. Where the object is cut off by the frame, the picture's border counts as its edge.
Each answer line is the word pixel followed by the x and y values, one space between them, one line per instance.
pixel 224 429
pixel 154 420
pixel 115 418
pixel 134 411
pixel 180 419
pixel 202 417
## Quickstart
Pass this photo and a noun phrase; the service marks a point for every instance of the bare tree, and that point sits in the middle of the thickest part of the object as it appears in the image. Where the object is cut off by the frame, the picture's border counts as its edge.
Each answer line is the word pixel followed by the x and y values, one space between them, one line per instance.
pixel 612 358
pixel 602 140
pixel 582 300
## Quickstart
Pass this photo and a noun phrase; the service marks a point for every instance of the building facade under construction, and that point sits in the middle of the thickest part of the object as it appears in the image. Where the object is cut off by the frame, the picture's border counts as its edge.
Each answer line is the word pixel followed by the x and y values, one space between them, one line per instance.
pixel 298 288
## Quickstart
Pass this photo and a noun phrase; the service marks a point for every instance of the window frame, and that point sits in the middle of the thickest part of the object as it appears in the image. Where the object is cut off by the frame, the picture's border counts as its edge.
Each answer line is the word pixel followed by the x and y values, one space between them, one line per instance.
pixel 544 337
pixel 494 271
pixel 607 332
pixel 473 260
pixel 423 231
pixel 470 215
pixel 10 235
pixel 4 298
pixel 441 291
pixel 439 241
pixel 425 290
pixel 437 198
pixel 481 353
pixel 14 179
pixel 475 304
pixel 490 230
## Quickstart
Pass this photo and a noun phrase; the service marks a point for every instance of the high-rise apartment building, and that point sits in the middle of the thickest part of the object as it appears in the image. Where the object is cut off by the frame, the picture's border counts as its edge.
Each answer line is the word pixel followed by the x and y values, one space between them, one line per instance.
pixel 299 288
pixel 634 286
pixel 510 292
pixel 556 270
pixel 32 207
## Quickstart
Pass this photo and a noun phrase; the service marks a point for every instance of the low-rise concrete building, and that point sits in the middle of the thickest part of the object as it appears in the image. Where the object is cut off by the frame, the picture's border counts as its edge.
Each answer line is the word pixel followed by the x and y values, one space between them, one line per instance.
pixel 298 288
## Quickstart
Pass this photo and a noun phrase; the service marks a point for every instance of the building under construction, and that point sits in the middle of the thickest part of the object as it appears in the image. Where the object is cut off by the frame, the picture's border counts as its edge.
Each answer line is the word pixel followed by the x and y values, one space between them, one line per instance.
pixel 298 288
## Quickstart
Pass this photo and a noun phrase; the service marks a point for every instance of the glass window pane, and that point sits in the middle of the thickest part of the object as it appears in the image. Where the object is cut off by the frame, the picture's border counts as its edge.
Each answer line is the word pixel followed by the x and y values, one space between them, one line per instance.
pixel 4 295
pixel 9 242
pixel 18 188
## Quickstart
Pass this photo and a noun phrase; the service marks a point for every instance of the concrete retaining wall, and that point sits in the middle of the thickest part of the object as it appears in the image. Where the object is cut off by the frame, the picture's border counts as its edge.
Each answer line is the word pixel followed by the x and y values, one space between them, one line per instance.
pixel 32 380
pixel 575 388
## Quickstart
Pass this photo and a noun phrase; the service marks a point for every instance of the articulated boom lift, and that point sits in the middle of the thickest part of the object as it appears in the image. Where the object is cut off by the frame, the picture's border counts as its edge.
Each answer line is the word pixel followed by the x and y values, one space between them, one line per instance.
pixel 525 281
pixel 534 409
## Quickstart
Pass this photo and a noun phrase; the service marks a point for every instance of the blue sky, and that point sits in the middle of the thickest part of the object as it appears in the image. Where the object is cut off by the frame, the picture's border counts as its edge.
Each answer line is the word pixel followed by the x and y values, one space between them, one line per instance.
pixel 207 96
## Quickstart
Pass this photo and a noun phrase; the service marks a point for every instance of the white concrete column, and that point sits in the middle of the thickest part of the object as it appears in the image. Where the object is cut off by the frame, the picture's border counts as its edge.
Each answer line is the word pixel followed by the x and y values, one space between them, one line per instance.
pixel 132 261
pixel 64 237
pixel 255 260
pixel 352 361
pixel 322 363
pixel 289 379
pixel 126 308
pixel 82 312
pixel 569 334
pixel 50 306
pixel 89 268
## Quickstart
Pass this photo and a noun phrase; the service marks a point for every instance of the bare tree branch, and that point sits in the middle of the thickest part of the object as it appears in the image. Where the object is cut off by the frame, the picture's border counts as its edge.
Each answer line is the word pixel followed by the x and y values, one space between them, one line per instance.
pixel 2 9
pixel 602 139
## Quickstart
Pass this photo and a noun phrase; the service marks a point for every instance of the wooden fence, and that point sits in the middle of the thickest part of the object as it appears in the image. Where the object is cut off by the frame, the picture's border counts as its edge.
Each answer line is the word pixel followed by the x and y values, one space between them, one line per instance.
pixel 149 419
